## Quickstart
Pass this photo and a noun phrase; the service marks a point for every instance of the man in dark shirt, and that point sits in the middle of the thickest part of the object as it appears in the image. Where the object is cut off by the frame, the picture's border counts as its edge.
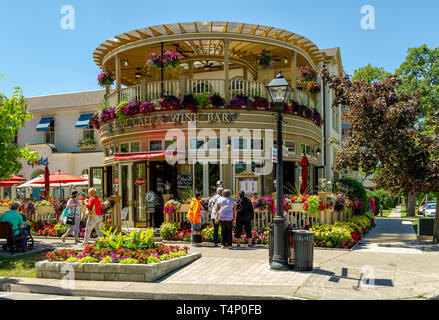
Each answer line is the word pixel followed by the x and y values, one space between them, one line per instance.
pixel 245 216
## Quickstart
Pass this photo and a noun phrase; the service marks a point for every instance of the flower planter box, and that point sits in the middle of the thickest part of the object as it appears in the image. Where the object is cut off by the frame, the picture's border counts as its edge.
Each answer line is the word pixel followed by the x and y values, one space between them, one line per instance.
pixel 297 207
pixel 89 147
pixel 112 271
pixel 44 209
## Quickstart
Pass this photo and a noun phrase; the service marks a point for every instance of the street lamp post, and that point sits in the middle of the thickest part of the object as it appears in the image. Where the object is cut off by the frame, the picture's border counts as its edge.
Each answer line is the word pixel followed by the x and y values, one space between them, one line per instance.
pixel 279 91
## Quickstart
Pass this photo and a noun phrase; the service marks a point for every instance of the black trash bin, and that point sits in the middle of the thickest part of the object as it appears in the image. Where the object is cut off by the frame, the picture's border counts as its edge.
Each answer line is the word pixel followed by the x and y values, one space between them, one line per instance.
pixel 303 250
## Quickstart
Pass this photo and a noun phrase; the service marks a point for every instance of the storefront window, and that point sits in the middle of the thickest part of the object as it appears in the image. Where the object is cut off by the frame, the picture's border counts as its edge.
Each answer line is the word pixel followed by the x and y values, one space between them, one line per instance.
pixel 308 150
pixel 214 143
pixel 198 177
pixel 124 148
pixel 169 142
pixel 155 145
pixel 257 144
pixel 291 146
pixel 135 147
pixel 214 177
pixel 196 144
pixel 97 181
pixel 124 186
pixel 240 144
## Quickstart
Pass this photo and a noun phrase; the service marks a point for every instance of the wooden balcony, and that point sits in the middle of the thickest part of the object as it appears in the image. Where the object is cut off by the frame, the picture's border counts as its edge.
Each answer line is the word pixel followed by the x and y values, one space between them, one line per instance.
pixel 180 88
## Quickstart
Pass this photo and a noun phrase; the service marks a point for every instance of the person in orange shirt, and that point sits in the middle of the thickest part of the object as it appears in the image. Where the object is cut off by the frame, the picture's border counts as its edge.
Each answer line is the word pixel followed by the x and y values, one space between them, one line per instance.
pixel 194 216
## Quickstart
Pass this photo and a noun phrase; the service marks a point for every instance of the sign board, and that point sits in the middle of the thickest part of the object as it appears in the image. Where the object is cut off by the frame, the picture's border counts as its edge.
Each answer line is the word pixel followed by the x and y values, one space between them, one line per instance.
pixel 274 154
pixel 124 215
pixel 184 181
pixel 140 181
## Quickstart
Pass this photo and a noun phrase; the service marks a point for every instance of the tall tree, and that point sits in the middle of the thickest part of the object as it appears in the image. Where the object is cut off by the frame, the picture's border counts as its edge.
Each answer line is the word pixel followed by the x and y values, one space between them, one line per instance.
pixel 13 115
pixel 383 138
pixel 419 74
pixel 370 74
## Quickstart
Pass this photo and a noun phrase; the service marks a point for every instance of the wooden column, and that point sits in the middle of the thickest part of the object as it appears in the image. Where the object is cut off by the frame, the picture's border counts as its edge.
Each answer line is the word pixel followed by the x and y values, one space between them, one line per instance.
pixel 293 60
pixel 116 217
pixel 118 77
pixel 245 73
pixel 226 71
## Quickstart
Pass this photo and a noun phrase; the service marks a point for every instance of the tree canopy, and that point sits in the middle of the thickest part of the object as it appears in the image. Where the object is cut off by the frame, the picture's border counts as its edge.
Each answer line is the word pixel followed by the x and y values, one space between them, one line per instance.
pixel 370 74
pixel 13 115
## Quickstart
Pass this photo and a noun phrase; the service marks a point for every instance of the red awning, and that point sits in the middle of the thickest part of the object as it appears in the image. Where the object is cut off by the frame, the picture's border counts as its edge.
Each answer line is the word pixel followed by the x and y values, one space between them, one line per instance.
pixel 138 156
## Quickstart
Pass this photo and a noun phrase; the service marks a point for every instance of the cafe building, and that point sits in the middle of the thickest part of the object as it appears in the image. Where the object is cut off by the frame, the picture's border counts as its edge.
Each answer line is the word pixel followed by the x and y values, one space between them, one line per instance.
pixel 167 146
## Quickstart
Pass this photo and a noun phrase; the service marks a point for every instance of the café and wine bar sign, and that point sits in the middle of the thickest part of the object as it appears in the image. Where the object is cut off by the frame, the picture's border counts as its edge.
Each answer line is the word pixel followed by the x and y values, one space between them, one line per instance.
pixel 177 118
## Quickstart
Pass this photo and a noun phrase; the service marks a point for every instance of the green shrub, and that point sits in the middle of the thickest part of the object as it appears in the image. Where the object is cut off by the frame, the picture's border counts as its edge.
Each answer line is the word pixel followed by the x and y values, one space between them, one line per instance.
pixel 207 233
pixel 164 257
pixel 358 191
pixel 128 261
pixel 152 259
pixel 61 229
pixel 88 259
pixel 177 254
pixel 168 230
pixel 107 259
pixel 72 259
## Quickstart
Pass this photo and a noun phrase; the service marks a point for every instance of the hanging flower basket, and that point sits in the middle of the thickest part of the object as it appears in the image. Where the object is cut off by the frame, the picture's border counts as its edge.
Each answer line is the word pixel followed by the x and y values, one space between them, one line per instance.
pixel 105 79
pixel 265 59
pixel 170 59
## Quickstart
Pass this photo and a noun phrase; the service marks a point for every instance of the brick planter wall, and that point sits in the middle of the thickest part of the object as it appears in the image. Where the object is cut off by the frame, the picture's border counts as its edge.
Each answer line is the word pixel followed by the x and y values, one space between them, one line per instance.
pixel 112 271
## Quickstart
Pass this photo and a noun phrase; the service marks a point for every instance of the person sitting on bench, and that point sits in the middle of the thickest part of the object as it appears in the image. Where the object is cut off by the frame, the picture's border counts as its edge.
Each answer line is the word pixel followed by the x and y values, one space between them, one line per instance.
pixel 13 217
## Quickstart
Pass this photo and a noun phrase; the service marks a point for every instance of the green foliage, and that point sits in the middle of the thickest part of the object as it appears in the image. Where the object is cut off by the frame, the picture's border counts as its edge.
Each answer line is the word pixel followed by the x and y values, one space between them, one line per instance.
pixel 384 198
pixel 356 190
pixel 178 254
pixel 61 229
pixel 88 259
pixel 202 100
pixel 420 73
pixel 136 240
pixel 107 259
pixel 207 233
pixel 152 259
pixel 370 74
pixel 72 259
pixel 168 230
pixel 312 205
pixel 164 257
pixel 360 220
pixel 120 115
pixel 13 114
pixel 128 261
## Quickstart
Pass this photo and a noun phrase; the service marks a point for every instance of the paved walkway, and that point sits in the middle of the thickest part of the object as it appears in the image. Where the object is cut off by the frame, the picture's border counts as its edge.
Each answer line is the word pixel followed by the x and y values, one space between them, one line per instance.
pixel 378 269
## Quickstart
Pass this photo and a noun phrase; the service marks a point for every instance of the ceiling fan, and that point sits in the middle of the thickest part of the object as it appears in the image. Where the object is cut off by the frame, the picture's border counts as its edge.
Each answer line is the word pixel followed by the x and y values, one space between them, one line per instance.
pixel 138 74
pixel 181 51
pixel 209 66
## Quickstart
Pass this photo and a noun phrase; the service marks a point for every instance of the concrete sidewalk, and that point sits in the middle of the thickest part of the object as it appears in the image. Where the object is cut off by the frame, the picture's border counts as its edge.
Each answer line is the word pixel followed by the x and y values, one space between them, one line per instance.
pixel 245 274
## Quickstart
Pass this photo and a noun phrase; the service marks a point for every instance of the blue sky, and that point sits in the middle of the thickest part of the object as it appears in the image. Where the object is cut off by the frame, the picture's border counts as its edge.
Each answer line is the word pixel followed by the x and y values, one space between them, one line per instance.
pixel 42 58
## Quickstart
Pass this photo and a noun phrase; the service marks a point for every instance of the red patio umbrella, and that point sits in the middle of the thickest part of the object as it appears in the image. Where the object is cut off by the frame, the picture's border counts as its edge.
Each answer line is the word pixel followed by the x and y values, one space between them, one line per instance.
pixel 304 163
pixel 61 177
pixel 12 181
pixel 47 182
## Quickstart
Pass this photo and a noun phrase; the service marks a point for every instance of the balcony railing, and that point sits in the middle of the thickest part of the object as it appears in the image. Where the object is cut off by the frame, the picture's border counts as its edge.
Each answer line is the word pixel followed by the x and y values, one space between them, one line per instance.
pixel 179 88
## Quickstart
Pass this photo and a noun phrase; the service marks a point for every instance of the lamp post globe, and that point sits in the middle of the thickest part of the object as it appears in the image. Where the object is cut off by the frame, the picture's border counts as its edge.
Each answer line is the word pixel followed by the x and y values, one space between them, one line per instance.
pixel 279 91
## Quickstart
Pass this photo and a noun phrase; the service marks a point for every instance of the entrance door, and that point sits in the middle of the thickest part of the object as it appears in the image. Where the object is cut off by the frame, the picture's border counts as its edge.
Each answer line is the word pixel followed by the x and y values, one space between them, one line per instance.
pixel 139 179
pixel 96 180
pixel 125 191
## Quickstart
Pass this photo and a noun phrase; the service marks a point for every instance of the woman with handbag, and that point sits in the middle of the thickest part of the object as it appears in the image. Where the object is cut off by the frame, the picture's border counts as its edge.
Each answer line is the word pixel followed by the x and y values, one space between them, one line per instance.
pixel 94 215
pixel 72 216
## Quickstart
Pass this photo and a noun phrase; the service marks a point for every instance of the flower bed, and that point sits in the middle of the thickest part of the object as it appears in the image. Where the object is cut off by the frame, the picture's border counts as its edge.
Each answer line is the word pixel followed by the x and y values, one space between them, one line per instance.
pixel 342 234
pixel 134 248
pixel 45 229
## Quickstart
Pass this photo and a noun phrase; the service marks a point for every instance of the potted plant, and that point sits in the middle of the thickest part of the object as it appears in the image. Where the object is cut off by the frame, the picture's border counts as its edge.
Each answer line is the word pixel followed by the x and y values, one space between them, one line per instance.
pixel 105 79
pixel 170 59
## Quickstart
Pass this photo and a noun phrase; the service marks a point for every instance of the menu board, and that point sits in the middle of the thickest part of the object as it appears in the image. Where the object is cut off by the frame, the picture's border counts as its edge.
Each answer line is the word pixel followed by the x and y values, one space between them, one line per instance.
pixel 184 181
pixel 249 186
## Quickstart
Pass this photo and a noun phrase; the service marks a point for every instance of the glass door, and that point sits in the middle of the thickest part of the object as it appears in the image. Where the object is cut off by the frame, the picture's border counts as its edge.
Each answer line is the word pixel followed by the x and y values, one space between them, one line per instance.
pixel 139 179
pixel 96 180
pixel 124 183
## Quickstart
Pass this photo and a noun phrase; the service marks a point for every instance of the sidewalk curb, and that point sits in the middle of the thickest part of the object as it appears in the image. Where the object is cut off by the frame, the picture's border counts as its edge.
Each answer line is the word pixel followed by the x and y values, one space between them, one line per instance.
pixel 125 294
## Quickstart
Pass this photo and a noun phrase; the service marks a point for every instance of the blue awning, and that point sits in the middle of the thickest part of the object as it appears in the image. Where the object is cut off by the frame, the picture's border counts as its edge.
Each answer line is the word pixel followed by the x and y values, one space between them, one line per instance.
pixel 44 124
pixel 83 121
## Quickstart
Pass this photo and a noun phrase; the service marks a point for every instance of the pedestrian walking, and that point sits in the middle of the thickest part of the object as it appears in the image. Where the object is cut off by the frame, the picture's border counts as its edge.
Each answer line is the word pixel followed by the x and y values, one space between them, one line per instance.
pixel 226 212
pixel 94 215
pixel 244 218
pixel 72 216
pixel 212 211
pixel 194 217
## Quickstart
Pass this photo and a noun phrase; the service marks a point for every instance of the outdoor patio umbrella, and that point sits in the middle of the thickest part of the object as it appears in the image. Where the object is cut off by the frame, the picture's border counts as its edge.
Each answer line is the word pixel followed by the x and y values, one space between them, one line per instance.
pixel 304 163
pixel 13 180
pixel 60 178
